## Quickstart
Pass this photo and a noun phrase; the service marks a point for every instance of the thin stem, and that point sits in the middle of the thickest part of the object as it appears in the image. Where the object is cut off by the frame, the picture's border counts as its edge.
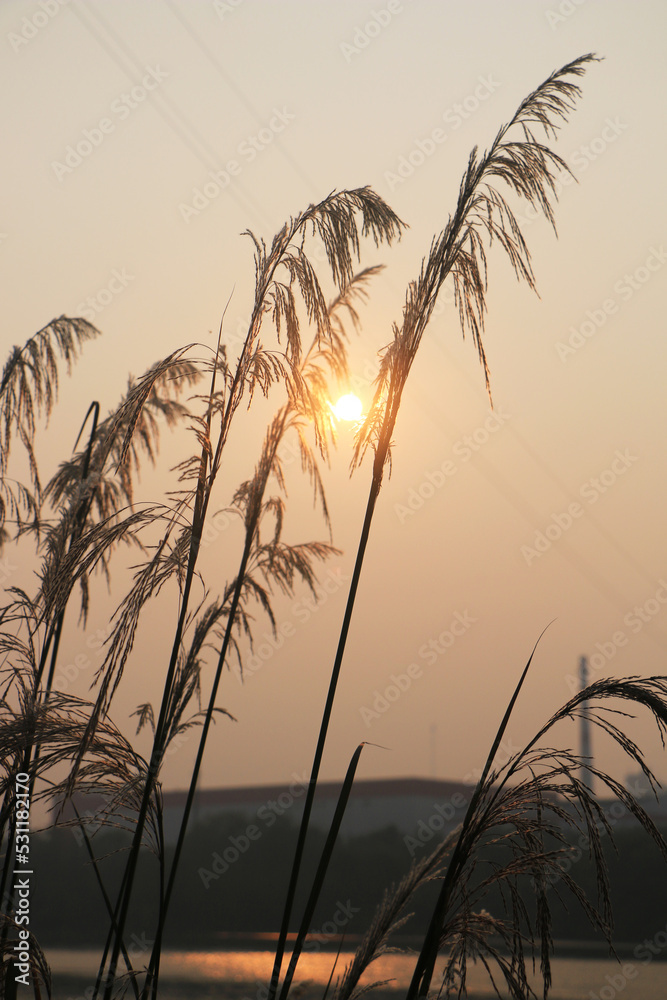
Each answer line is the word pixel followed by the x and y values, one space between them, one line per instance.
pixel 320 874
pixel 155 956
pixel 199 515
pixel 324 725
pixel 105 897
pixel 421 980
pixel 151 776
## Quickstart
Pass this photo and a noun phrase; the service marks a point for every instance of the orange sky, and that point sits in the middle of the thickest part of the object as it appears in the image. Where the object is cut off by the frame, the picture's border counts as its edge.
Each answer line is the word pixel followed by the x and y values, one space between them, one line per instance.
pixel 141 139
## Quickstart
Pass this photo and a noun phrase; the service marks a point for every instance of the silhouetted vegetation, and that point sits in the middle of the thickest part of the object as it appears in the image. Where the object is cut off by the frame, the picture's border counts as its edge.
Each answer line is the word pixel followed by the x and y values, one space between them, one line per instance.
pixel 246 897
pixel 490 889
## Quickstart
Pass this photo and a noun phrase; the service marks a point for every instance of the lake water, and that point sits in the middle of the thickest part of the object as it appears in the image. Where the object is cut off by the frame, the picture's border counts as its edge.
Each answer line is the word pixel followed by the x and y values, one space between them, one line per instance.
pixel 234 975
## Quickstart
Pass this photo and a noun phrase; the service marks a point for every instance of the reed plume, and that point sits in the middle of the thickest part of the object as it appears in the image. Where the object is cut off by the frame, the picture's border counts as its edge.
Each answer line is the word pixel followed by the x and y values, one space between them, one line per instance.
pixel 529 168
pixel 340 221
pixel 28 392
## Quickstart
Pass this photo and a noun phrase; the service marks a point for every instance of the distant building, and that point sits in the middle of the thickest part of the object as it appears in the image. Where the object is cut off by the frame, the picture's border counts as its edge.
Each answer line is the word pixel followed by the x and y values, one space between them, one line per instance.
pixel 421 809
pixel 409 804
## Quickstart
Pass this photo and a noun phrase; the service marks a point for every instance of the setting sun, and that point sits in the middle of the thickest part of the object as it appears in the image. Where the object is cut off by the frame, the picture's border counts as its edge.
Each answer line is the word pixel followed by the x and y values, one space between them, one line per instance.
pixel 348 407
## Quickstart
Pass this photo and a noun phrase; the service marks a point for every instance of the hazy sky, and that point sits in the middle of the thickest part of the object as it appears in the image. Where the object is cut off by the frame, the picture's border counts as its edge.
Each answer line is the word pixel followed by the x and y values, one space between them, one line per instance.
pixel 116 115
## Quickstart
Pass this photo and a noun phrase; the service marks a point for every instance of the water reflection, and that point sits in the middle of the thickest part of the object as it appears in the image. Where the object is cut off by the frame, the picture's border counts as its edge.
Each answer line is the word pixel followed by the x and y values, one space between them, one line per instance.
pixel 198 973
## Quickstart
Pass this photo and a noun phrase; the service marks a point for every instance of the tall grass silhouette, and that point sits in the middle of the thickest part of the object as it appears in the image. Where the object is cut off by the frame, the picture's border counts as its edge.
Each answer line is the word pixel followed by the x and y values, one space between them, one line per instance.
pixel 78 520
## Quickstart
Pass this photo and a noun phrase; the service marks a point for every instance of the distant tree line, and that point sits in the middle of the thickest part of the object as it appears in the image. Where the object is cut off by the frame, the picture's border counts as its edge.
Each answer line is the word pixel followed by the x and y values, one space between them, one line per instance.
pixel 233 874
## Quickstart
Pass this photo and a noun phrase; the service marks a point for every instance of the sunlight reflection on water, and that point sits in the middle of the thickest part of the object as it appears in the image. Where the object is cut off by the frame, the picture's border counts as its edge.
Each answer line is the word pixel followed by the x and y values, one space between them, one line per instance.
pixel 196 972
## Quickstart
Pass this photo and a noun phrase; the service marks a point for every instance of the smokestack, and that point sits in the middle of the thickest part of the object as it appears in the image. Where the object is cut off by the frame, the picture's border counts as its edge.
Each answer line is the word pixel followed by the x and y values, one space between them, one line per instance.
pixel 586 751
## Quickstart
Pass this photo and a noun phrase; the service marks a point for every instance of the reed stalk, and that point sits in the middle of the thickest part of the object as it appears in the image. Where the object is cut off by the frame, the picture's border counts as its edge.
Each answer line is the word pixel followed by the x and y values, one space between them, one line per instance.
pixel 317 412
pixel 335 221
pixel 528 167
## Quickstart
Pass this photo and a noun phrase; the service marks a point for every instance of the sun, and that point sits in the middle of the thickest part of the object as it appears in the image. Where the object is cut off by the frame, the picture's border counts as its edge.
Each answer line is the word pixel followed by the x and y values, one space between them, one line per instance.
pixel 348 407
